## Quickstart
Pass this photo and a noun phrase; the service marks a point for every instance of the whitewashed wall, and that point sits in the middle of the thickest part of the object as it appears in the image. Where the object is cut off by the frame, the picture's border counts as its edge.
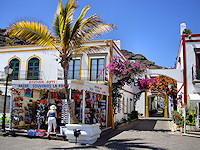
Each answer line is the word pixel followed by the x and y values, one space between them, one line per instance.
pixel 50 67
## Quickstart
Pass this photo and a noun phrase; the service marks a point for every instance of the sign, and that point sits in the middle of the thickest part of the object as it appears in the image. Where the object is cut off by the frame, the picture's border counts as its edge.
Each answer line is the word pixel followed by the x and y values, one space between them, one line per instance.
pixel 59 84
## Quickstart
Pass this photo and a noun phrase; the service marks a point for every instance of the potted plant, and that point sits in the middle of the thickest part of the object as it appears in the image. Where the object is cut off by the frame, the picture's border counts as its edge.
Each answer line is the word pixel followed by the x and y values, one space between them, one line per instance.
pixel 191 120
pixel 84 133
pixel 88 133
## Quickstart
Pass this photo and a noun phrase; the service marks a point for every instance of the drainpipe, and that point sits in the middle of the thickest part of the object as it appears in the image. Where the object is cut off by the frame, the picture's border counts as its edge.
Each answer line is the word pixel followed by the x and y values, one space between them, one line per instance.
pixel 184 70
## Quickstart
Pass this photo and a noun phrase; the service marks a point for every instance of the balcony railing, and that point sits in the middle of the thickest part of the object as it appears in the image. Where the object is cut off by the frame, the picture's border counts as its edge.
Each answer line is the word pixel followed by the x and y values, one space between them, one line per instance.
pixel 23 76
pixel 83 75
pixel 72 74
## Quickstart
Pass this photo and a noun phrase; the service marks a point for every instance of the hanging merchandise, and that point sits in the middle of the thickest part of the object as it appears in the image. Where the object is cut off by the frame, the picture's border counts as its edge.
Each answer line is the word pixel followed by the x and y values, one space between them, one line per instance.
pixel 28 93
pixel 41 116
pixel 32 98
pixel 65 112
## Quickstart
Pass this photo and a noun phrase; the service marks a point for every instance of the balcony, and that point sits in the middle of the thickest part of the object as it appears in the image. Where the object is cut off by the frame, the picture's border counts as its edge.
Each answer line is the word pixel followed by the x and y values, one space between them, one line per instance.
pixel 23 76
pixel 83 75
pixel 72 75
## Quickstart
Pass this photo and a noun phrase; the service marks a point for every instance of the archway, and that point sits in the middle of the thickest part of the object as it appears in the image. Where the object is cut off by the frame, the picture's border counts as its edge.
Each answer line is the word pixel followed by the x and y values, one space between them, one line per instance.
pixel 174 74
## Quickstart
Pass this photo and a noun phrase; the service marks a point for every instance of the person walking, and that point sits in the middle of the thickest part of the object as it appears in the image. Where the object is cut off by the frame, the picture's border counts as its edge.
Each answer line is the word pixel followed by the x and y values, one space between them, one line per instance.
pixel 52 115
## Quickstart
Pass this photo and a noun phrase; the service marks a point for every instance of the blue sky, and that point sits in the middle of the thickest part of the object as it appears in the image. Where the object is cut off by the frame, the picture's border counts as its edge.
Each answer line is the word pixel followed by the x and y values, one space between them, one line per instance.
pixel 148 27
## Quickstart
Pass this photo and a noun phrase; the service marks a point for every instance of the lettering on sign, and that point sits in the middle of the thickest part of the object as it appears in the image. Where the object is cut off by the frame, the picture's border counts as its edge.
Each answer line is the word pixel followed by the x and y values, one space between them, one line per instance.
pixel 96 87
pixel 41 86
pixel 51 81
pixel 91 89
pixel 23 85
pixel 35 82
pixel 98 91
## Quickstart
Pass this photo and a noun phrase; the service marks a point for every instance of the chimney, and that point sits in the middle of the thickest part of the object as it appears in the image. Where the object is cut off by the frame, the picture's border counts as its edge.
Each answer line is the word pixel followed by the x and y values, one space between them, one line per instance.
pixel 182 27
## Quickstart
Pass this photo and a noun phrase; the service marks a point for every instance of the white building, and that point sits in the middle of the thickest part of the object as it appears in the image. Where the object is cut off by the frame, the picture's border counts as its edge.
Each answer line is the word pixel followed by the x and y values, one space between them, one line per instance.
pixel 188 60
pixel 37 63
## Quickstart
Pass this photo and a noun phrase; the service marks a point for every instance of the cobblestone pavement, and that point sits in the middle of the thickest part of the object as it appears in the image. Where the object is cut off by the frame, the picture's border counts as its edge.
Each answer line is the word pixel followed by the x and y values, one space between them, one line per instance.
pixel 141 134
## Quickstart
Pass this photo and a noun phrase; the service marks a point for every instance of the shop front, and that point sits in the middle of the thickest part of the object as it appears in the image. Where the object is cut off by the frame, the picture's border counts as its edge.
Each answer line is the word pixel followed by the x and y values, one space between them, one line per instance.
pixel 31 100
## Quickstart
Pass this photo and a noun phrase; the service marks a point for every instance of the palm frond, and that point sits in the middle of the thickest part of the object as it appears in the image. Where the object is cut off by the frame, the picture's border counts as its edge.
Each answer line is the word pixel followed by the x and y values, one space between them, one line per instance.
pixel 69 11
pixel 75 33
pixel 56 25
pixel 90 28
pixel 62 22
pixel 97 31
pixel 34 32
pixel 86 49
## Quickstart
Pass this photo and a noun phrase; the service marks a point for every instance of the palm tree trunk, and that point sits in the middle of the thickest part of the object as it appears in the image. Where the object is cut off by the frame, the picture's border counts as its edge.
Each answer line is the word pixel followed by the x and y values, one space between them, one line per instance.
pixel 65 65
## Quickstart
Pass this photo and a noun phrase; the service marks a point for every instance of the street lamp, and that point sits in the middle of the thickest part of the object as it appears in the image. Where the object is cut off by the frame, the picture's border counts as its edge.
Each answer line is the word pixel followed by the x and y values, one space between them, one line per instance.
pixel 8 71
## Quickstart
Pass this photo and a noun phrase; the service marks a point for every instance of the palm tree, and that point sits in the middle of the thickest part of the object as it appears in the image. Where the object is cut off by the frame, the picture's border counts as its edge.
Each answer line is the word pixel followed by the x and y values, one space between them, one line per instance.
pixel 69 35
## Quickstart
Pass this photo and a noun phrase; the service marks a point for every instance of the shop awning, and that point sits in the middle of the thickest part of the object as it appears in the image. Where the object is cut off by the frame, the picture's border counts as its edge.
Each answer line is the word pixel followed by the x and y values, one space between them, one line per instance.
pixel 194 97
pixel 59 84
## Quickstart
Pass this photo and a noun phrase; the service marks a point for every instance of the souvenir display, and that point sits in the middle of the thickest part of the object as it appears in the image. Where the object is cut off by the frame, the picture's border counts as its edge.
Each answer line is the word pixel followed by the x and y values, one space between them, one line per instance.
pixel 30 107
pixel 95 109
pixel 18 112
pixel 64 112
pixel 77 104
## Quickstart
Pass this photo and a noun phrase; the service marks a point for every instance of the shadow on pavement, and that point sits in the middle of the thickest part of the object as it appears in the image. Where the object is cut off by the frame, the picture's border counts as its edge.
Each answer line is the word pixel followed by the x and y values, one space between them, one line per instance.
pixel 106 140
pixel 146 125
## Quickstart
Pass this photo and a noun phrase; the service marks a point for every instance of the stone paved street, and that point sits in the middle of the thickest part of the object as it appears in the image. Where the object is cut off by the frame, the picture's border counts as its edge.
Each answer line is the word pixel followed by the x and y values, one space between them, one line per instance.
pixel 141 134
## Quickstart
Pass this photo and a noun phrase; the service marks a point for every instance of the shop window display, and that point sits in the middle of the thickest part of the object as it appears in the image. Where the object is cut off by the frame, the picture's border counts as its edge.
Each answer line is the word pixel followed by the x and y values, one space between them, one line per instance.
pixel 77 99
pixel 30 107
pixel 95 110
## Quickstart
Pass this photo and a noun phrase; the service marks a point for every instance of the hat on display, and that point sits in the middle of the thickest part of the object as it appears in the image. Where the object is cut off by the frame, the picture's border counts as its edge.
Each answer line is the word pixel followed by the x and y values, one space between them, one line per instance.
pixel 53 107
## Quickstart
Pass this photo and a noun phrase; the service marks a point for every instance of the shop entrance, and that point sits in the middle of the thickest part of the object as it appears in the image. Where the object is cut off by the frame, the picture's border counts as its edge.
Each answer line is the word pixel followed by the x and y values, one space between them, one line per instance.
pixel 32 99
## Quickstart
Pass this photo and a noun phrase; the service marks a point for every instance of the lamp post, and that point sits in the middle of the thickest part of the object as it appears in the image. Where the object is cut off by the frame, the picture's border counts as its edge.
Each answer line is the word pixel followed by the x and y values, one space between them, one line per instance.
pixel 8 70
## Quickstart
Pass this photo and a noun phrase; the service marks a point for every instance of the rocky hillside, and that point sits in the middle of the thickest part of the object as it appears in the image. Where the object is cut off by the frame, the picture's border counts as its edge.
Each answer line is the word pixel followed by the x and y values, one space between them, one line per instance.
pixel 140 59
pixel 6 41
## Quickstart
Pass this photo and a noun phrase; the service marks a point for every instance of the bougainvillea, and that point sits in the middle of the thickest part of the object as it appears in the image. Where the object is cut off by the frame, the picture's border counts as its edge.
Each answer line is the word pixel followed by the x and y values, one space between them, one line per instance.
pixel 122 72
pixel 146 83
pixel 124 68
pixel 160 84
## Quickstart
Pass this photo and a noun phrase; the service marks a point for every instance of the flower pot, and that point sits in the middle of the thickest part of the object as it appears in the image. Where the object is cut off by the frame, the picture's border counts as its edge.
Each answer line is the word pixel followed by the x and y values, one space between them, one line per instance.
pixel 88 133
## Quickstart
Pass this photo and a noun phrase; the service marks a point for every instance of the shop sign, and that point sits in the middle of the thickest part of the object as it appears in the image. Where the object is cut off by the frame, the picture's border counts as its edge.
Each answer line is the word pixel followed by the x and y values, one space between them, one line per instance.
pixel 59 84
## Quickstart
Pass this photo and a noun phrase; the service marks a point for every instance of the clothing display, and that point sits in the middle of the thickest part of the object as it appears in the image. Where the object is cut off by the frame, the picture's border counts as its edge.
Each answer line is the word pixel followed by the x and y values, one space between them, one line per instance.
pixel 30 108
pixel 31 102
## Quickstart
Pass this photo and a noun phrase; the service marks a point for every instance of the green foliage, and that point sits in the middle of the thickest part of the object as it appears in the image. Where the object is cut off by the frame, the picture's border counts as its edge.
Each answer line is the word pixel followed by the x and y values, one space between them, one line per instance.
pixel 123 72
pixel 187 31
pixel 191 117
pixel 132 115
pixel 176 116
pixel 179 119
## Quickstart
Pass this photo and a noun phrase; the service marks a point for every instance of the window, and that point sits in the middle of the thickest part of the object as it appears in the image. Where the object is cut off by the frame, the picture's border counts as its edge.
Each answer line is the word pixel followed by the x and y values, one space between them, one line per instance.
pixel 127 106
pixel 198 65
pixel 131 104
pixel 33 69
pixel 74 69
pixel 119 103
pixel 96 66
pixel 14 63
pixel 123 105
